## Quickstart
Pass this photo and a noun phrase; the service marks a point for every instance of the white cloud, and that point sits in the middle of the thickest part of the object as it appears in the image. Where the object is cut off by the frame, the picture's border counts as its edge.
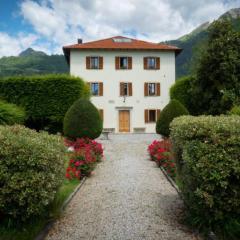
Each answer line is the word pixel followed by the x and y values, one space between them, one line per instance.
pixel 11 45
pixel 61 22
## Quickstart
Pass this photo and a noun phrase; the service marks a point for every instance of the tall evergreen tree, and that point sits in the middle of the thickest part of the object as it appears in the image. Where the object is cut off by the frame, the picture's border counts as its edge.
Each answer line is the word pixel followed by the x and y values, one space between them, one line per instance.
pixel 217 85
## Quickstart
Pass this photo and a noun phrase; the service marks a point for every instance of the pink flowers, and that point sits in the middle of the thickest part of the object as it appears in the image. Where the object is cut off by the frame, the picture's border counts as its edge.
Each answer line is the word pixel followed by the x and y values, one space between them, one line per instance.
pixel 160 152
pixel 84 157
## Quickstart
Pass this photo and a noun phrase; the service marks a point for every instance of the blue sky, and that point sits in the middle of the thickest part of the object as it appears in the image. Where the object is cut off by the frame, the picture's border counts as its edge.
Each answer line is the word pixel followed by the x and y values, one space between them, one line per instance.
pixel 47 25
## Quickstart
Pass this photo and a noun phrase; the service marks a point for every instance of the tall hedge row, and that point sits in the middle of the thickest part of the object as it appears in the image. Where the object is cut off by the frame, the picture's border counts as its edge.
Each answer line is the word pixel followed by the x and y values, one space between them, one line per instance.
pixel 207 151
pixel 11 114
pixel 45 98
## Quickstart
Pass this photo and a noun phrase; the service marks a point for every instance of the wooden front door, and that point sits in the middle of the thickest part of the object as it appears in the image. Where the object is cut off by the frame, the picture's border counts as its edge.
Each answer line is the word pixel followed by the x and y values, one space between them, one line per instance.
pixel 124 121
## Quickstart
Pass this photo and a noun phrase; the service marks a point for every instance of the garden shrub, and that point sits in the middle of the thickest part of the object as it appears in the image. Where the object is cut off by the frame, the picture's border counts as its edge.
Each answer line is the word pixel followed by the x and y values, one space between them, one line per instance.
pixel 173 109
pixel 235 110
pixel 161 153
pixel 82 120
pixel 86 153
pixel 11 114
pixel 31 170
pixel 45 98
pixel 181 91
pixel 207 153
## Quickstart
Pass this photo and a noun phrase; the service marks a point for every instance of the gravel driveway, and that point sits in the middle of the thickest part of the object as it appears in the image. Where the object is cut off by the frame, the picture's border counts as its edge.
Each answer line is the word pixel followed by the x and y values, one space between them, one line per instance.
pixel 127 197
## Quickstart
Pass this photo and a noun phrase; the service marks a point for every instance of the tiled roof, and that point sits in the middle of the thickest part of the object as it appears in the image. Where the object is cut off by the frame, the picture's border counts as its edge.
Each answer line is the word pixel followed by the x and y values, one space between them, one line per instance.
pixel 120 43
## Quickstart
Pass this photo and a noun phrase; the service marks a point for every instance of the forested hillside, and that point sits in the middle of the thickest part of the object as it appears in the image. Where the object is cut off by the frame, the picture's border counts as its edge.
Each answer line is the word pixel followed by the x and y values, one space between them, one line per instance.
pixel 193 44
pixel 31 62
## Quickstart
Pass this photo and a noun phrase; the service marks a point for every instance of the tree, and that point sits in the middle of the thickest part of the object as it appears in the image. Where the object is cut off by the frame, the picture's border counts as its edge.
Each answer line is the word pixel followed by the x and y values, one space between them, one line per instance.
pixel 173 109
pixel 82 120
pixel 216 87
pixel 181 91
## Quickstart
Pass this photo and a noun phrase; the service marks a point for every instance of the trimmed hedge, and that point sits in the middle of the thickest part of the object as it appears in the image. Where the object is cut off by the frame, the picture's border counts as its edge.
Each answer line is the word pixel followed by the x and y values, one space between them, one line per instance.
pixel 181 91
pixel 11 114
pixel 82 120
pixel 173 109
pixel 235 110
pixel 207 153
pixel 45 98
pixel 31 170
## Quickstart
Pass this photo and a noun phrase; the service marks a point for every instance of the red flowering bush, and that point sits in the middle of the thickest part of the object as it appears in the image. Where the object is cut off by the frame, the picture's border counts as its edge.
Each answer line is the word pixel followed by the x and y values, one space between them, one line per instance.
pixel 86 153
pixel 160 152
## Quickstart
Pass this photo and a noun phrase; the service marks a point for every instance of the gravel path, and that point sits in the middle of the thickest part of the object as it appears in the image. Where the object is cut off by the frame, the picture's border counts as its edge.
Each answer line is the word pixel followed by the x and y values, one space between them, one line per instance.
pixel 127 197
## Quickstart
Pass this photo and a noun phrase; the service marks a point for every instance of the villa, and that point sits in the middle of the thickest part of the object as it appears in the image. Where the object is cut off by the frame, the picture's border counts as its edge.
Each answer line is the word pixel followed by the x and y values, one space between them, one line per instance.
pixel 129 79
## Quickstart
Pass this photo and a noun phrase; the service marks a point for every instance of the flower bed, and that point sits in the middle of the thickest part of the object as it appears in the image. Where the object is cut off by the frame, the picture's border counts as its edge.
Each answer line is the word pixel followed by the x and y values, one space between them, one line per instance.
pixel 160 152
pixel 86 153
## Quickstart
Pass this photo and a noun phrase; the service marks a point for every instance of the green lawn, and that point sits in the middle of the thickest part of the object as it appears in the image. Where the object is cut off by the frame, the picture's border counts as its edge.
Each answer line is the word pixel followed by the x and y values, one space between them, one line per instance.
pixel 30 230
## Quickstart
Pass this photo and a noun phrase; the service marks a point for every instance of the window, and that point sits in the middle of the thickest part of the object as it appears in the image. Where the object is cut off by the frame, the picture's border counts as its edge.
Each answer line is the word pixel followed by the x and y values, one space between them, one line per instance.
pixel 123 62
pixel 95 89
pixel 101 113
pixel 125 89
pixel 94 62
pixel 151 63
pixel 122 40
pixel 152 89
pixel 151 115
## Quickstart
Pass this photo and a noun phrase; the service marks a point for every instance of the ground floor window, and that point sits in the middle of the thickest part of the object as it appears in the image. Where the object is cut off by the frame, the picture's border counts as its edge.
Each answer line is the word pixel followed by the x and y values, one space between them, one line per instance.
pixel 151 115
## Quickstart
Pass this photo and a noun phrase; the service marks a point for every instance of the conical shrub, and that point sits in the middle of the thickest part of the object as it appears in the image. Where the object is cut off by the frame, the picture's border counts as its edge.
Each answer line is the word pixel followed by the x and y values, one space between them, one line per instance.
pixel 173 109
pixel 82 120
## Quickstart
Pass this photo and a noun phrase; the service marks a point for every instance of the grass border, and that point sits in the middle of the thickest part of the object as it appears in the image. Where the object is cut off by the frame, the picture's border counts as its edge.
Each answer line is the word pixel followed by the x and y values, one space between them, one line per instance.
pixel 43 233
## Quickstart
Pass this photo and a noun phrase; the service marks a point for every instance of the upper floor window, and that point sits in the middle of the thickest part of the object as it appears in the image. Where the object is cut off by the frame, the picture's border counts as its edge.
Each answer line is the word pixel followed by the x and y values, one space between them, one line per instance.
pixel 123 62
pixel 151 89
pixel 151 63
pixel 96 88
pixel 125 89
pixel 94 62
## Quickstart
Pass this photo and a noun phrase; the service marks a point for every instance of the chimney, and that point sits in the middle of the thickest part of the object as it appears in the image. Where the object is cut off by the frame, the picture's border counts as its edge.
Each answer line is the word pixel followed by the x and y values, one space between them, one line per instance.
pixel 80 41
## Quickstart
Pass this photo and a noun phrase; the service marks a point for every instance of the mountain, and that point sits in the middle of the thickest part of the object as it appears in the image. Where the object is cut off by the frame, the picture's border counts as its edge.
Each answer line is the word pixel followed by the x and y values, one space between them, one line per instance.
pixel 194 43
pixel 31 62
pixel 31 52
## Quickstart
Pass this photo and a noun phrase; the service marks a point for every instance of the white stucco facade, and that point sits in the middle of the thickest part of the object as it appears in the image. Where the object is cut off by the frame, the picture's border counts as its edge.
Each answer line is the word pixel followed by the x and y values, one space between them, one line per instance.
pixel 111 101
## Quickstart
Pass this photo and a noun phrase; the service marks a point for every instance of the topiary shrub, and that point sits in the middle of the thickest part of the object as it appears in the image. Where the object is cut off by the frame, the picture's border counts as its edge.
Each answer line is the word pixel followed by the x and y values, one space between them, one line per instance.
pixel 207 153
pixel 173 109
pixel 82 120
pixel 45 98
pixel 181 91
pixel 31 170
pixel 10 114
